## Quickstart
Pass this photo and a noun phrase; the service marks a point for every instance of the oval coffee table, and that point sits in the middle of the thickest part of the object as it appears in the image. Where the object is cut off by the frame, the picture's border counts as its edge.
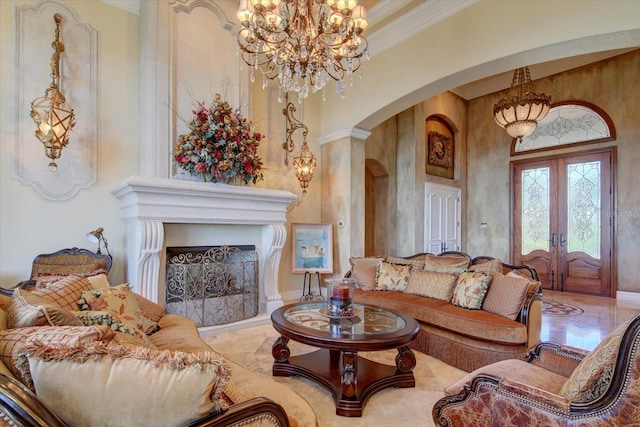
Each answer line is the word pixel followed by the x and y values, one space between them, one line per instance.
pixel 352 379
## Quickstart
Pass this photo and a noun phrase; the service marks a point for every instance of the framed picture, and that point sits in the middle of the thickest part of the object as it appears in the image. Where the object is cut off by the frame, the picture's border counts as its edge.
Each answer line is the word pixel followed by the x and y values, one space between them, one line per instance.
pixel 312 250
pixel 440 148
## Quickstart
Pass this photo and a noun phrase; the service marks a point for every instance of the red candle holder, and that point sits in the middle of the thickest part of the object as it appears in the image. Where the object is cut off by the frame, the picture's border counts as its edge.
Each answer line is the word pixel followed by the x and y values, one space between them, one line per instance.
pixel 340 297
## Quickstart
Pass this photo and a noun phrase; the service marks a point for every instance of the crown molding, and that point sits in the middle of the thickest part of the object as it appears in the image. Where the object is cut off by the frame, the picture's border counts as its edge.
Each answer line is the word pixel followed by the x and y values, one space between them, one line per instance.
pixel 344 133
pixel 132 6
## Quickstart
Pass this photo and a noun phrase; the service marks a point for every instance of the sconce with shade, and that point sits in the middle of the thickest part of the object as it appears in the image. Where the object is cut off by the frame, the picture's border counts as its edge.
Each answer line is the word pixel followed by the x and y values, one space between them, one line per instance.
pixel 97 236
pixel 305 162
pixel 54 117
pixel 522 109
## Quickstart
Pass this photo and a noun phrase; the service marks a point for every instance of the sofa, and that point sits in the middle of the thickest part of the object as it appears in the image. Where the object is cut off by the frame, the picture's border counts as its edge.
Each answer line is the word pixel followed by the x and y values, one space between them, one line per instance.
pixel 471 312
pixel 556 385
pixel 76 351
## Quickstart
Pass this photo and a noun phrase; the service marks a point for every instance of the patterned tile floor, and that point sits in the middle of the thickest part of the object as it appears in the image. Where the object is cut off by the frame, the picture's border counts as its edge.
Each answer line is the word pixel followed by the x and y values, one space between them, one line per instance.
pixel 585 330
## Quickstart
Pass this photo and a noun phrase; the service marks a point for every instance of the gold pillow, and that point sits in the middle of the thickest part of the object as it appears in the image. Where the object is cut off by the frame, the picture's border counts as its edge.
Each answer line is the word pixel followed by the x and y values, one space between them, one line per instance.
pixel 120 300
pixel 392 277
pixel 506 295
pixel 65 292
pixel 27 309
pixel 432 285
pixel 593 375
pixel 489 267
pixel 471 289
pixel 363 270
pixel 445 264
pixel 142 386
pixel 417 263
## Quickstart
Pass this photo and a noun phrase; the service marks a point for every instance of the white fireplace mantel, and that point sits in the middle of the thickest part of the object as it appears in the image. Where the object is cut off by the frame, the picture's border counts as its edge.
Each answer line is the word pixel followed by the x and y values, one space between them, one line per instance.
pixel 147 204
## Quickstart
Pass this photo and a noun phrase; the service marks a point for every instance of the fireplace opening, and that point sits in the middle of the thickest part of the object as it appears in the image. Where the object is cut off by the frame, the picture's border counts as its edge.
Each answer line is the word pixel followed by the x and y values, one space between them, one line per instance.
pixel 212 285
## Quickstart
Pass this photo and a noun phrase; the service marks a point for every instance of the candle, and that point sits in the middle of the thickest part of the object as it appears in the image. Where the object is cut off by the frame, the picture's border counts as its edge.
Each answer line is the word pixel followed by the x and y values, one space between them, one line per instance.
pixel 341 292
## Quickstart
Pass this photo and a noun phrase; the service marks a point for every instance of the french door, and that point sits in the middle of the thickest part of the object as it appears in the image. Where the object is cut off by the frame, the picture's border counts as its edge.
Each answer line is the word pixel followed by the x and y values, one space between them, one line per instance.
pixel 561 222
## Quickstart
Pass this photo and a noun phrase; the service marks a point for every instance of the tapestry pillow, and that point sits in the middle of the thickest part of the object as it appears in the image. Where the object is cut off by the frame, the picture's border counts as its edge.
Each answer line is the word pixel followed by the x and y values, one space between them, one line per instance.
pixel 13 342
pixel 417 263
pixel 43 280
pixel 178 387
pixel 392 277
pixel 470 289
pixel 113 321
pixel 433 285
pixel 65 292
pixel 27 309
pixel 363 270
pixel 506 295
pixel 593 375
pixel 445 264
pixel 120 300
pixel 492 266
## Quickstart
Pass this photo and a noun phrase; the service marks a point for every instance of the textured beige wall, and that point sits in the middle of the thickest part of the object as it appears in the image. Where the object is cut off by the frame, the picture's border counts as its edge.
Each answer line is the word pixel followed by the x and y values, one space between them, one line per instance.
pixel 611 85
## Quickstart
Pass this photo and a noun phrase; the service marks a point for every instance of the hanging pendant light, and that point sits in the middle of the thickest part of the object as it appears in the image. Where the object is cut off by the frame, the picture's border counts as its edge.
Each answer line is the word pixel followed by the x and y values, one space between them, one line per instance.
pixel 522 109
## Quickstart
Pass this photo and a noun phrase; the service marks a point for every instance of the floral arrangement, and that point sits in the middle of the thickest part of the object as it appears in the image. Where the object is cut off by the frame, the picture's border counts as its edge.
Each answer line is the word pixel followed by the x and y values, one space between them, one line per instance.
pixel 220 145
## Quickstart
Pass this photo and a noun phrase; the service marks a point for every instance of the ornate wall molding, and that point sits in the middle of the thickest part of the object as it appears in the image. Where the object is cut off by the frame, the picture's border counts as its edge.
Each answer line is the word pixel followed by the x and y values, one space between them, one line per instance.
pixel 33 32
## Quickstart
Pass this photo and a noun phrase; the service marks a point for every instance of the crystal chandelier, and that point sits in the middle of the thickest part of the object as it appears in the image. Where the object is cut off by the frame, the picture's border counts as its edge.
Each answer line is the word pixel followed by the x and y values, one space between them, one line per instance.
pixel 302 43
pixel 522 109
pixel 52 114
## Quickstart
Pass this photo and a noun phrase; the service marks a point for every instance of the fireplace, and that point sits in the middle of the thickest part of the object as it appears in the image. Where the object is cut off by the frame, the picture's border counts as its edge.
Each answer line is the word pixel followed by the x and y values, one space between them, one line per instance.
pixel 212 285
pixel 160 213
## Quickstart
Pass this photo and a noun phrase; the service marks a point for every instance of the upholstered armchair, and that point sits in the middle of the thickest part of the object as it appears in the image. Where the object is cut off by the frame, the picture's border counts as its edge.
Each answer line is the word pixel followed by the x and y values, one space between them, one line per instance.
pixel 554 386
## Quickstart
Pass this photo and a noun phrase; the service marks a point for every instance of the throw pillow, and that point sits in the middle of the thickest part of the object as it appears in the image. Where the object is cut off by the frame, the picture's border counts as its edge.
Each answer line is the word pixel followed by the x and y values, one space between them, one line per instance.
pixel 142 386
pixel 113 321
pixel 392 277
pixel 120 300
pixel 445 264
pixel 14 341
pixel 471 289
pixel 593 375
pixel 363 270
pixel 506 295
pixel 99 281
pixel 417 263
pixel 65 292
pixel 433 285
pixel 151 310
pixel 27 309
pixel 492 266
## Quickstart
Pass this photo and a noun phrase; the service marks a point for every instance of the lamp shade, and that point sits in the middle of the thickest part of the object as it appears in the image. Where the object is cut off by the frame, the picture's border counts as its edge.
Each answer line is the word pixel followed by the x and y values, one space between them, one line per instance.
pixel 95 235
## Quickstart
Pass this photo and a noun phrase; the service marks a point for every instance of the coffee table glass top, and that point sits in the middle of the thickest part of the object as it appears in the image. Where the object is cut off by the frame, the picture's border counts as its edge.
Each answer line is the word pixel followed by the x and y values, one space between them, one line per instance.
pixel 367 320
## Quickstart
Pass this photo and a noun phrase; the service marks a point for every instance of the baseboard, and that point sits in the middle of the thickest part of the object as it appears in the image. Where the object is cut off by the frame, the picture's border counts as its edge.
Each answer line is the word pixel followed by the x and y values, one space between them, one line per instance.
pixel 625 296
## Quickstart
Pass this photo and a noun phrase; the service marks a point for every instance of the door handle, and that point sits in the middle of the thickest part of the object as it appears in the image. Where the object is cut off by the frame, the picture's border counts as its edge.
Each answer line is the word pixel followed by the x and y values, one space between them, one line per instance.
pixel 553 240
pixel 563 240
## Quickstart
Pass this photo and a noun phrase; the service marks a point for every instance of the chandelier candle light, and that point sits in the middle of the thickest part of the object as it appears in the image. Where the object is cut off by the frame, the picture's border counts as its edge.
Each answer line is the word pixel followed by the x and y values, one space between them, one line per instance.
pixel 302 43
pixel 52 114
pixel 522 109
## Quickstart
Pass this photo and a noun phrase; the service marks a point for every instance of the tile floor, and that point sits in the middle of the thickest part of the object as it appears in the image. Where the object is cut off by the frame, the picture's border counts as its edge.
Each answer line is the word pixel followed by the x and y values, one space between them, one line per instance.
pixel 601 315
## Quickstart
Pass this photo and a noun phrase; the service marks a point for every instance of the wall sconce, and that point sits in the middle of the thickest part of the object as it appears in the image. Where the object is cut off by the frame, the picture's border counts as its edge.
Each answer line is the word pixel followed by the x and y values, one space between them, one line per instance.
pixel 96 236
pixel 52 114
pixel 305 162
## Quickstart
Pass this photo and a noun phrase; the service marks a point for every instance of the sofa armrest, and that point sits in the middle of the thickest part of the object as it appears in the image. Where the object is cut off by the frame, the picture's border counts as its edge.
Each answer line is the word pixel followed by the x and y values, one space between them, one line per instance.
pixel 259 411
pixel 490 401
pixel 20 406
pixel 556 358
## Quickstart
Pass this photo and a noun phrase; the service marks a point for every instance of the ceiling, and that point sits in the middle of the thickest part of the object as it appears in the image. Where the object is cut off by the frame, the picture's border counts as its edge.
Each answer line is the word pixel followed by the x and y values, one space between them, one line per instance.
pixel 386 19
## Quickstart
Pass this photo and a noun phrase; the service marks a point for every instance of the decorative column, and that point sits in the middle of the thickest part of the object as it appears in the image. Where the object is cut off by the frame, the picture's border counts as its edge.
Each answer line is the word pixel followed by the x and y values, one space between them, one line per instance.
pixel 343 169
pixel 273 240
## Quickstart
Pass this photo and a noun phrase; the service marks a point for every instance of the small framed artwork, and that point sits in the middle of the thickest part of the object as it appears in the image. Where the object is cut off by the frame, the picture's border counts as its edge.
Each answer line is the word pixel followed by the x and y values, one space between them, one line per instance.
pixel 312 250
pixel 440 148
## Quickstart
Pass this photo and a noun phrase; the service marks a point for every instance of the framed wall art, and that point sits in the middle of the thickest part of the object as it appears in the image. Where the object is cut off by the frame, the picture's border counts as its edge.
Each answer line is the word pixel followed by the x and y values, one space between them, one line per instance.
pixel 440 148
pixel 312 250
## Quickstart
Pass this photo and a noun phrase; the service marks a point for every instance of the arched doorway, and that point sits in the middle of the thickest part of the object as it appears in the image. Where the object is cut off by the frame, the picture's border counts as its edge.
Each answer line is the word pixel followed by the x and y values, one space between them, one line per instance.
pixel 376 209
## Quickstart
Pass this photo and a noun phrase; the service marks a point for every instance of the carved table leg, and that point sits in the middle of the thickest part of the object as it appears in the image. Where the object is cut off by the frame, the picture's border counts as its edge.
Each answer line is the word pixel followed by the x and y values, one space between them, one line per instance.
pixel 405 360
pixel 280 350
pixel 349 380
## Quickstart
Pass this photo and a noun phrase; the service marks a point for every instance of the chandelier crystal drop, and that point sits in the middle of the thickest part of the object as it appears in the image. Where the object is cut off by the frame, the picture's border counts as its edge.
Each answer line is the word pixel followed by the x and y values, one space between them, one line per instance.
pixel 303 44
pixel 522 109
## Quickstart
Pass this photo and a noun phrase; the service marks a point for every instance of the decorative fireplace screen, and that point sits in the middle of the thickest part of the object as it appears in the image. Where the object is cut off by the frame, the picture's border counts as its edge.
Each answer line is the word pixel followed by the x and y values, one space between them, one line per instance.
pixel 212 285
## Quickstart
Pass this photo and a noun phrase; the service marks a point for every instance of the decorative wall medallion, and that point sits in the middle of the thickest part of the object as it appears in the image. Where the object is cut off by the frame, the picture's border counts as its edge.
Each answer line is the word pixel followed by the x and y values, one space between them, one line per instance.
pixel 440 148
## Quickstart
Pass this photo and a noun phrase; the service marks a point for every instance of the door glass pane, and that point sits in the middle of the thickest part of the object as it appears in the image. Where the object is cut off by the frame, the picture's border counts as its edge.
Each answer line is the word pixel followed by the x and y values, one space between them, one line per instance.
pixel 535 210
pixel 583 208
